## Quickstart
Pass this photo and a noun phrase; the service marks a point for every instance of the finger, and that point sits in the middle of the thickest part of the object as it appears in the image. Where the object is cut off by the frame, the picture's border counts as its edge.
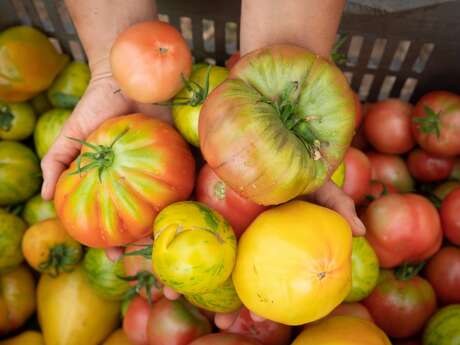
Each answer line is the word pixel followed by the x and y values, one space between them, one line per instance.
pixel 170 293
pixel 225 320
pixel 114 253
pixel 256 318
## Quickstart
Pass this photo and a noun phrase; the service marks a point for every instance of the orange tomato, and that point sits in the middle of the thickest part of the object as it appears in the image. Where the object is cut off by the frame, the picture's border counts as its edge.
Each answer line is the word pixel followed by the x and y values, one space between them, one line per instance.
pixel 117 338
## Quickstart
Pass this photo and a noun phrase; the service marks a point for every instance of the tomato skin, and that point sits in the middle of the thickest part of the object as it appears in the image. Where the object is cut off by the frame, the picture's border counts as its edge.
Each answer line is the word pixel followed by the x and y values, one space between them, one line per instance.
pixel 388 126
pixel 446 108
pixel 212 191
pixel 25 338
pixel 376 189
pixel 145 175
pixel 449 216
pixel 455 174
pixel 224 339
pixel 148 60
pixel 391 170
pixel 175 323
pixel 49 125
pixel 357 174
pixel 11 231
pixel 428 168
pixel 251 153
pixel 232 60
pixel 352 309
pixel 135 321
pixel 118 337
pixel 36 209
pixel 17 120
pixel 444 189
pixel 443 272
pixel 442 329
pixel 17 298
pixel 20 178
pixel 401 307
pixel 402 228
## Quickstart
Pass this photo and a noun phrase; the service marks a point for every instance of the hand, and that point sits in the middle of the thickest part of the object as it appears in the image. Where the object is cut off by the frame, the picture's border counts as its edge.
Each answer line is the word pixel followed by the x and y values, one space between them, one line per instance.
pixel 102 100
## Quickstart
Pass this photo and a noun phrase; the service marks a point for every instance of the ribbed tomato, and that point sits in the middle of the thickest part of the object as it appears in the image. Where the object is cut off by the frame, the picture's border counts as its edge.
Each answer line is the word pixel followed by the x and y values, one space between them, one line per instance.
pixel 442 329
pixel 130 168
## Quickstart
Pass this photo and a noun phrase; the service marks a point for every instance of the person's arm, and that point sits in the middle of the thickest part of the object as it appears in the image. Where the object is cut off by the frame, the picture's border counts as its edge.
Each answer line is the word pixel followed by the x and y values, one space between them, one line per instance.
pixel 307 23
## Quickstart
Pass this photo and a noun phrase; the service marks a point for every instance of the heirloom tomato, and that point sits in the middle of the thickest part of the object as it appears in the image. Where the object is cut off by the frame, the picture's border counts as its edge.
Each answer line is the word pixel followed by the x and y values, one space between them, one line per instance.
pixel 450 219
pixel 428 168
pixel 49 125
pixel 36 209
pixel 357 174
pixel 135 321
pixel 442 329
pixel 17 120
pixel 224 339
pixel 391 170
pixel 11 231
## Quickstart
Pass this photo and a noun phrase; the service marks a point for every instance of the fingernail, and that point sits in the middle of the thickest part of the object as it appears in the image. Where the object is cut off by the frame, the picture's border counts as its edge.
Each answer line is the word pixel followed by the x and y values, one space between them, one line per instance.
pixel 359 227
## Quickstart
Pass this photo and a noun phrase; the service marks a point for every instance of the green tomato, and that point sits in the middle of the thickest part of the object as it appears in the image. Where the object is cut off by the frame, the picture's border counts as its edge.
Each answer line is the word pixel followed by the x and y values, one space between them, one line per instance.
pixel 194 248
pixel 186 116
pixel 36 209
pixel 17 120
pixel 70 85
pixel 49 126
pixel 443 327
pixel 20 174
pixel 40 103
pixel 364 270
pixel 12 229
pixel 104 275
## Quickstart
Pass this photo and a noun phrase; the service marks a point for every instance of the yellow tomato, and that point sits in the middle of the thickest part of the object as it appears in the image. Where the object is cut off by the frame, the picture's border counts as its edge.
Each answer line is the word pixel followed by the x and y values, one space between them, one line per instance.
pixel 25 338
pixel 294 263
pixel 342 330
pixel 71 313
pixel 338 177
pixel 117 338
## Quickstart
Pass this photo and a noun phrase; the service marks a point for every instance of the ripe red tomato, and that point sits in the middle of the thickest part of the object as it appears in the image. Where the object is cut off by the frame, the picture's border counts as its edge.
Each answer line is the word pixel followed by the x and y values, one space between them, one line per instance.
pixel 359 139
pixel 401 307
pixel 426 167
pixel 357 174
pixel 352 309
pixel 224 339
pixel 436 123
pixel 402 228
pixel 376 189
pixel 455 173
pixel 450 218
pixel 232 60
pixel 149 60
pixel 443 272
pixel 215 193
pixel 175 323
pixel 266 332
pixel 391 170
pixel 358 111
pixel 388 126
pixel 135 321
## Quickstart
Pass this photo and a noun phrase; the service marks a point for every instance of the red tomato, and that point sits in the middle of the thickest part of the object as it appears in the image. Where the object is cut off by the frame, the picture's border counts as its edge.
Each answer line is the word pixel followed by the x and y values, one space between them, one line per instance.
pixel 436 123
pixel 391 170
pixel 138 269
pixel 359 139
pixel 388 126
pixel 443 272
pixel 175 323
pixel 135 321
pixel 358 111
pixel 149 60
pixel 455 173
pixel 352 309
pixel 427 168
pixel 402 228
pixel 450 216
pixel 266 332
pixel 357 174
pixel 212 191
pixel 224 339
pixel 232 60
pixel 376 189
pixel 401 307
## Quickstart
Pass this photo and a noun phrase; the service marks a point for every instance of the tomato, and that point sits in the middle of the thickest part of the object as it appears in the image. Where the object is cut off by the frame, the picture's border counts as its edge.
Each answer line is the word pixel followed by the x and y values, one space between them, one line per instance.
pixel 436 123
pixel 401 306
pixel 387 126
pixel 49 249
pixel 232 60
pixel 443 272
pixel 175 323
pixel 188 102
pixel 29 63
pixel 132 167
pixel 135 321
pixel 70 312
pixel 17 120
pixel 17 298
pixel 442 329
pixel 444 189
pixel 104 275
pixel 358 111
pixel 49 125
pixel 138 269
pixel 118 337
pixel 364 270
pixel 222 299
pixel 25 338
pixel 224 339
pixel 352 309
pixel 194 248
pixel 313 240
pixel 455 174
pixel 357 174
pixel 391 170
pixel 36 209
pixel 272 139
pixel 266 332
pixel 338 177
pixel 427 168
pixel 402 229
pixel 40 103
pixel 149 60
pixel 343 330
pixel 215 193
pixel 376 189
pixel 450 217
pixel 407 342
pixel 20 174
pixel 11 231
pixel 70 85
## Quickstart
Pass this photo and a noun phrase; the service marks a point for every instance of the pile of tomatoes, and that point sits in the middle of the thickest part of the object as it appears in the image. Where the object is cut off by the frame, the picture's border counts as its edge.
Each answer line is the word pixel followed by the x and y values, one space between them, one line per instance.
pixel 206 208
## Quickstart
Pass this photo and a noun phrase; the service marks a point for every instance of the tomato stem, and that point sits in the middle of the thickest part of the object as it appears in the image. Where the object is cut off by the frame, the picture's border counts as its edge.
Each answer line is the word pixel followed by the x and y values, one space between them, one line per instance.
pixel 61 258
pixel 144 280
pixel 408 271
pixel 145 252
pixel 6 117
pixel 430 123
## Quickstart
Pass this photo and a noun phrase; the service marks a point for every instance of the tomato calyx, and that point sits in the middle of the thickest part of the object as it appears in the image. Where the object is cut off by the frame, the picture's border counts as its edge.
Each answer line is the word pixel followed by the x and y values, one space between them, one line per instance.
pixel 408 271
pixel 61 258
pixel 6 117
pixel 337 57
pixel 430 123
pixel 219 190
pixel 144 280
